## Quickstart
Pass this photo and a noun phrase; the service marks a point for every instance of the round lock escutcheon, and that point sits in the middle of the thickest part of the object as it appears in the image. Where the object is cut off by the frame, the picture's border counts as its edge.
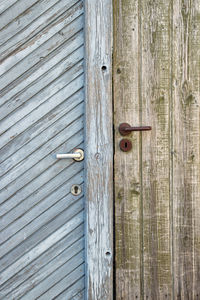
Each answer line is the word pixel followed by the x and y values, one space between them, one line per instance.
pixel 125 145
pixel 76 189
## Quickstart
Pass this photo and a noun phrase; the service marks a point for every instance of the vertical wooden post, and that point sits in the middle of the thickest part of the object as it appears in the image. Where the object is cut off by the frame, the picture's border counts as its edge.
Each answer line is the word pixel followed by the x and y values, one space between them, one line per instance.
pixel 99 150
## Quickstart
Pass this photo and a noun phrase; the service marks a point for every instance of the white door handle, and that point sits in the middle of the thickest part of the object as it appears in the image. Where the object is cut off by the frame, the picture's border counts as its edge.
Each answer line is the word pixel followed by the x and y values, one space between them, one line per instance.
pixel 77 155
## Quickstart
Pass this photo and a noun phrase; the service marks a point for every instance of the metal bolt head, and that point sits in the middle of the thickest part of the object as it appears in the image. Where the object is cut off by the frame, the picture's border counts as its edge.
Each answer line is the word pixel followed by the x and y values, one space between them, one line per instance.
pixel 76 189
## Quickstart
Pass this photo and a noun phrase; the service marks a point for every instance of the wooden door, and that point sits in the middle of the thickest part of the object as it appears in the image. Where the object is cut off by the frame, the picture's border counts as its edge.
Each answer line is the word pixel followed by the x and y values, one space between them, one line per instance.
pixel 156 75
pixel 42 107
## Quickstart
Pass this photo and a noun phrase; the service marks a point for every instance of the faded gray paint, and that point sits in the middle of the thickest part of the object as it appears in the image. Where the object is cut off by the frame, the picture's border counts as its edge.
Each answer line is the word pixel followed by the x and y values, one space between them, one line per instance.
pixel 42 105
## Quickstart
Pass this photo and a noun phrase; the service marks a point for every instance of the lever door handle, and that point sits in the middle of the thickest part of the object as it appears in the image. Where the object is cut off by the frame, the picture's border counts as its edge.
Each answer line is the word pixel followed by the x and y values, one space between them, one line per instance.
pixel 125 128
pixel 77 155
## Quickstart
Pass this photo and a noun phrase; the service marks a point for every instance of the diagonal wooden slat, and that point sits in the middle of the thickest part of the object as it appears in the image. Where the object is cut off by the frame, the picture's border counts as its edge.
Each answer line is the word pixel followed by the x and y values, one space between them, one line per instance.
pixel 5 4
pixel 33 247
pixel 31 20
pixel 16 8
pixel 13 105
pixel 75 292
pixel 38 215
pixel 43 123
pixel 31 146
pixel 42 113
pixel 36 283
pixel 42 150
pixel 34 56
pixel 33 269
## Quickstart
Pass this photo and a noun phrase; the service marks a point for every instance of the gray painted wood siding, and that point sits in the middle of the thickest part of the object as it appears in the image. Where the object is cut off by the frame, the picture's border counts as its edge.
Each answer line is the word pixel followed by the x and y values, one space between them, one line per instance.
pixel 41 114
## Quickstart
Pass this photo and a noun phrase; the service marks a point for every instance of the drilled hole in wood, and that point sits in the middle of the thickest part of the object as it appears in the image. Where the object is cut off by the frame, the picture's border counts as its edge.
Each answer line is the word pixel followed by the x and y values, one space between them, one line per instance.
pixel 108 253
pixel 104 68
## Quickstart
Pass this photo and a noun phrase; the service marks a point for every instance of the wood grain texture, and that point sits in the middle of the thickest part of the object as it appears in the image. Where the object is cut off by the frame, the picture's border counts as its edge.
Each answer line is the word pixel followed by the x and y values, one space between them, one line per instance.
pixel 42 106
pixel 157 82
pixel 127 165
pixel 99 150
pixel 186 149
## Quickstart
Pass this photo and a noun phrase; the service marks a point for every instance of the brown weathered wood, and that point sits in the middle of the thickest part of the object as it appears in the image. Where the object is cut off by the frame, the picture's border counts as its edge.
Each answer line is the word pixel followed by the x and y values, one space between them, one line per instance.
pixel 99 150
pixel 155 84
pixel 157 184
pixel 186 149
pixel 127 165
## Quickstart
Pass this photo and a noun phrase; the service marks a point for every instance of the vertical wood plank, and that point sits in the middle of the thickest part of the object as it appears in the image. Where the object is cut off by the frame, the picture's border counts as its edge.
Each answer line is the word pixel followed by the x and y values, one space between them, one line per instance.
pixel 127 174
pixel 186 155
pixel 155 105
pixel 99 150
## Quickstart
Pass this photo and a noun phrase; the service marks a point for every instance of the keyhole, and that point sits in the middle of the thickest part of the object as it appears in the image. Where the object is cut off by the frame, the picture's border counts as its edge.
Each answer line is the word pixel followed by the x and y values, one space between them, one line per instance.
pixel 76 189
pixel 125 145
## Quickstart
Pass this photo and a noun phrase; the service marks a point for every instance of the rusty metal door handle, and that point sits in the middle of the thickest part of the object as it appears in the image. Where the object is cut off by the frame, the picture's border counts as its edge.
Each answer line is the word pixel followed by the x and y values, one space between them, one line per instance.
pixel 125 128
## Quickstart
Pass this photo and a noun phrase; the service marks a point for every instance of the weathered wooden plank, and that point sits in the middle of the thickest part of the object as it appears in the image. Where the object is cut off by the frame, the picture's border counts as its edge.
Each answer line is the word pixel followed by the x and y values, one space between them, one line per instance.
pixel 49 236
pixel 45 81
pixel 69 280
pixel 168 100
pixel 71 268
pixel 30 20
pixel 99 149
pixel 60 92
pixel 155 85
pixel 40 214
pixel 38 191
pixel 16 8
pixel 186 149
pixel 5 5
pixel 14 188
pixel 41 45
pixel 127 165
pixel 42 105
pixel 61 264
pixel 43 123
pixel 72 292
pixel 35 269
pixel 47 92
pixel 46 64
pixel 70 107
pixel 46 148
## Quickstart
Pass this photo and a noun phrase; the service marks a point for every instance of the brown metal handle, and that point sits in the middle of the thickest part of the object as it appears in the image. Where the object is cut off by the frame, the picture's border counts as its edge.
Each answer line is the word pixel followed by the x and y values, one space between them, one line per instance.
pixel 125 128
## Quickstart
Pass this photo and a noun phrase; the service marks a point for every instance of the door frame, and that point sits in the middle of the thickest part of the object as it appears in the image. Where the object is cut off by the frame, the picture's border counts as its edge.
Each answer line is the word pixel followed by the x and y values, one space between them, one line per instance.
pixel 98 149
